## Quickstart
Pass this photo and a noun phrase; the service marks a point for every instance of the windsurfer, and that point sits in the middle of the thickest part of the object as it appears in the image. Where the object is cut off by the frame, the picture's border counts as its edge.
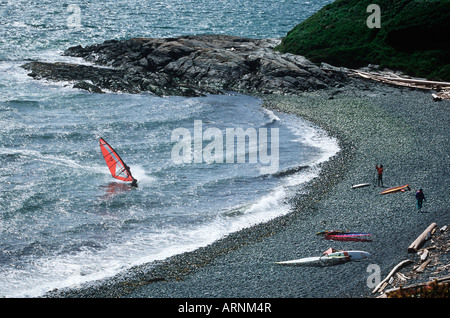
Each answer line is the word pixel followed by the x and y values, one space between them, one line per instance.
pixel 134 182
pixel 115 164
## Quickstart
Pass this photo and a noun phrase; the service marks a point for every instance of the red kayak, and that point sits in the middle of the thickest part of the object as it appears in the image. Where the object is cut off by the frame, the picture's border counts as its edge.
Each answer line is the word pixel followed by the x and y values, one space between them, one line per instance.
pixel 361 237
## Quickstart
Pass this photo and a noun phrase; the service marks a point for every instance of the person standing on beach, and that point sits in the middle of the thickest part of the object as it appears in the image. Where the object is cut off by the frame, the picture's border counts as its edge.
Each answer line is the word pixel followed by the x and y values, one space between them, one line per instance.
pixel 380 174
pixel 420 197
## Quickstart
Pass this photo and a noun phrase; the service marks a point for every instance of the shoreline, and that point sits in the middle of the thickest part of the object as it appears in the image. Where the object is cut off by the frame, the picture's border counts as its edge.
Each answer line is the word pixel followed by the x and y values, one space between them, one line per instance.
pixel 374 123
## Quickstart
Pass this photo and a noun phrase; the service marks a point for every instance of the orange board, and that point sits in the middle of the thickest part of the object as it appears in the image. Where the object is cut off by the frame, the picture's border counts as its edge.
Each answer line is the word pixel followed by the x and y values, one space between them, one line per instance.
pixel 396 189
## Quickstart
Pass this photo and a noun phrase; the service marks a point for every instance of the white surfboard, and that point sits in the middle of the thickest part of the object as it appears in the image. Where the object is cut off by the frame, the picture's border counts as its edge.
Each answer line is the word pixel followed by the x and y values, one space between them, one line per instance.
pixel 361 185
pixel 351 255
pixel 332 258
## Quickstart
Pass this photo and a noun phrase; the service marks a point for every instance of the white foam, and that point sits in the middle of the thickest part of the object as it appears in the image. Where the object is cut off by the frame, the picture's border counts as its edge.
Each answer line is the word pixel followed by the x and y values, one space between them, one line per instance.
pixel 315 137
pixel 52 159
pixel 20 86
pixel 271 115
pixel 143 176
pixel 72 270
pixel 13 72
pixel 56 56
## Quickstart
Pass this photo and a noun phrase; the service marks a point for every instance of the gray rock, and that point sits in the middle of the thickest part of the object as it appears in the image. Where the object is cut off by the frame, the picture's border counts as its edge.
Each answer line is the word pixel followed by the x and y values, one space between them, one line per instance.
pixel 189 66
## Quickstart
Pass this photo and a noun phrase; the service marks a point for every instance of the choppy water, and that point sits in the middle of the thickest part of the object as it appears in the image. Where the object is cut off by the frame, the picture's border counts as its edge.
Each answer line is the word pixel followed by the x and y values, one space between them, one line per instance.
pixel 63 219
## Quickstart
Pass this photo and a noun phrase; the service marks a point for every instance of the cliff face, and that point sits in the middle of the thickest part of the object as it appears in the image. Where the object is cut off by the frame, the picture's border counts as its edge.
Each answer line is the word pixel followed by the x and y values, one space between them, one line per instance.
pixel 413 36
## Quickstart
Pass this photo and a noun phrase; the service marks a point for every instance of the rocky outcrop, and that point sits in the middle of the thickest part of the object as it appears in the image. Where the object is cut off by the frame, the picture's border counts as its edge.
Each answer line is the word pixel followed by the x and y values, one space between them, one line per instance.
pixel 188 66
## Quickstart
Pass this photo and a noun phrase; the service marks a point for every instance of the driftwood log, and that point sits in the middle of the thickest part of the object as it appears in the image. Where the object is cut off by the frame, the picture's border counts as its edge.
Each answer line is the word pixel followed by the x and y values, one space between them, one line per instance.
pixel 395 269
pixel 421 239
pixel 442 87
pixel 423 266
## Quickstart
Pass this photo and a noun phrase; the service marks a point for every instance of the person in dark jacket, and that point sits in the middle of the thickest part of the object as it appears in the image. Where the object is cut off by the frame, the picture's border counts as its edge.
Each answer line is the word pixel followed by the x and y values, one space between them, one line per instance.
pixel 420 197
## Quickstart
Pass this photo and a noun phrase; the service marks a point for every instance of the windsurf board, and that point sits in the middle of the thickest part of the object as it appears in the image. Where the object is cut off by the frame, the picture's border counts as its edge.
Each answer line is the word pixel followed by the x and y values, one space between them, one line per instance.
pixel 361 185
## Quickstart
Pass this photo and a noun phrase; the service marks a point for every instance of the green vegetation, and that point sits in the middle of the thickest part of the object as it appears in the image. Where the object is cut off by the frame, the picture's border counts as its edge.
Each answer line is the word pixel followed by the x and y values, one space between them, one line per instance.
pixel 413 38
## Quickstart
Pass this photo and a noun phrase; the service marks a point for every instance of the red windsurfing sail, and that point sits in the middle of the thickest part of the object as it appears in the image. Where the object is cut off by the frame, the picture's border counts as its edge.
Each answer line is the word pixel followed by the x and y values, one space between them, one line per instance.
pixel 117 167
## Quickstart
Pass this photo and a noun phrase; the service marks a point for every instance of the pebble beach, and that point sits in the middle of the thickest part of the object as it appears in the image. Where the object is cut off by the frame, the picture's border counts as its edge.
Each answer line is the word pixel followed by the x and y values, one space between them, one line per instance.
pixel 401 128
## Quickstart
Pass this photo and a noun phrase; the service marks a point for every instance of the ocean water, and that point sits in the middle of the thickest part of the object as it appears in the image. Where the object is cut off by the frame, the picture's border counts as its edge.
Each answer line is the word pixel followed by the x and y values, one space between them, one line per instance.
pixel 63 219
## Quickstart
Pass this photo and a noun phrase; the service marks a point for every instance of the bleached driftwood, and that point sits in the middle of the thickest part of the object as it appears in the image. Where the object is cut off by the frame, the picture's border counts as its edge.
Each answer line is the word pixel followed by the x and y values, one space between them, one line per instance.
pixel 412 82
pixel 443 87
pixel 395 269
pixel 418 81
pixel 383 286
pixel 402 277
pixel 427 248
pixel 423 266
pixel 421 239
pixel 424 255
